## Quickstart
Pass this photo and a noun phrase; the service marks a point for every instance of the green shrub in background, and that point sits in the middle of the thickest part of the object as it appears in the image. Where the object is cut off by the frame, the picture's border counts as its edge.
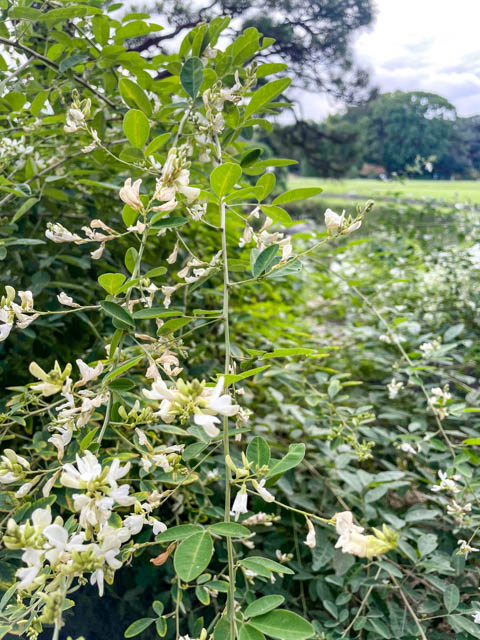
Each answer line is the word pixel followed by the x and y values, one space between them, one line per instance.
pixel 227 391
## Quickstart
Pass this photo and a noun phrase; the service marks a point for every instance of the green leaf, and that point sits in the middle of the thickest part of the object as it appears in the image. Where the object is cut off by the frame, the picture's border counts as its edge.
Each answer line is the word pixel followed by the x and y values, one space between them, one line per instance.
pixel 451 598
pixel 266 93
pixel 224 177
pixel 153 312
pixel 277 214
pixel 87 440
pixel 168 223
pixel 297 194
pixel 138 626
pixel 180 532
pixel 131 258
pixel 222 630
pixel 264 260
pixel 72 61
pixel 22 210
pixel 296 453
pixel 231 378
pixel 136 128
pixel 464 624
pixel 249 633
pixel 156 143
pixel 229 530
pixel 123 384
pixel 25 13
pixel 173 325
pixel 191 76
pixel 284 625
pixel 263 605
pixel 258 452
pixel 264 566
pixel 118 313
pixel 193 555
pixel 157 271
pixel 128 364
pixel 111 282
pixel 267 182
pixel 134 96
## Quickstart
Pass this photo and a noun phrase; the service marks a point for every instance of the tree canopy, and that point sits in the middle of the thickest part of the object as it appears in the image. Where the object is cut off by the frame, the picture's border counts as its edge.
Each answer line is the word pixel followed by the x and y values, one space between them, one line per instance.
pixel 312 37
pixel 399 132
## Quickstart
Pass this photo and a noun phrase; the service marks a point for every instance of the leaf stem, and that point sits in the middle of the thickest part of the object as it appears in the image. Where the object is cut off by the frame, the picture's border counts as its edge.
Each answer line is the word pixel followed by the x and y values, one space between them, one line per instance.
pixel 226 442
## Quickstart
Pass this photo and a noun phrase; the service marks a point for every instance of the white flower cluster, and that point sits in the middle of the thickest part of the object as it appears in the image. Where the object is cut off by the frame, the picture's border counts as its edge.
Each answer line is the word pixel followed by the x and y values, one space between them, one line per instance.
pixel 12 467
pixel 393 388
pixel 439 401
pixel 446 483
pixel 15 148
pixel 93 547
pixel 336 224
pixel 264 238
pixel 56 232
pixel 351 538
pixel 194 398
pixel 21 315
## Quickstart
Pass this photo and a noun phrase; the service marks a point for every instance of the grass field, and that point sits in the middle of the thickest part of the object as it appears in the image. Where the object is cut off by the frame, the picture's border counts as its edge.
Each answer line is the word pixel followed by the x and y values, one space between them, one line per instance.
pixel 447 190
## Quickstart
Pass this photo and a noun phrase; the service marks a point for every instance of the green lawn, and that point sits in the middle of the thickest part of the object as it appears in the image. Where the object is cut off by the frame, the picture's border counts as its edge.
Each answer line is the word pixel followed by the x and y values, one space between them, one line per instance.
pixel 448 190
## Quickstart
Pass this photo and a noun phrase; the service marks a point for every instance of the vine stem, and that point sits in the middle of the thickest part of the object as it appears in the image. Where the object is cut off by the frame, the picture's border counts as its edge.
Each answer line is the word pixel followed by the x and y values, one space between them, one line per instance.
pixel 226 442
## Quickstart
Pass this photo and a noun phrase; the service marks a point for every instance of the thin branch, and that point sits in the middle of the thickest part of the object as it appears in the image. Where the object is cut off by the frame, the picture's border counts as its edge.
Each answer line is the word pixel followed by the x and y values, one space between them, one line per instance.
pixel 54 65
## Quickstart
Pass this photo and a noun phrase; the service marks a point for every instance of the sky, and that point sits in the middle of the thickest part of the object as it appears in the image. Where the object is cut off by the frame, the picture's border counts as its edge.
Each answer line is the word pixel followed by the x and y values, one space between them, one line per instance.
pixel 427 45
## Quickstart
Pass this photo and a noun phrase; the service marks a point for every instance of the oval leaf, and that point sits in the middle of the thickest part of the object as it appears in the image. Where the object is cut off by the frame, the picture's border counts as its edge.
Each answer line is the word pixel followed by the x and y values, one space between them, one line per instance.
pixel 111 282
pixel 295 455
pixel 191 76
pixel 297 194
pixel 264 260
pixel 263 605
pixel 224 177
pixel 136 128
pixel 137 627
pixel 117 312
pixel 258 452
pixel 193 555
pixel 284 625
pixel 229 530
pixel 134 96
pixel 266 93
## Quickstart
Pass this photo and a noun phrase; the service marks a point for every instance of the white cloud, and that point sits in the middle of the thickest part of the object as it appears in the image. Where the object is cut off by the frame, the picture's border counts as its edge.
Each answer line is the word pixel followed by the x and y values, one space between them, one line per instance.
pixel 425 45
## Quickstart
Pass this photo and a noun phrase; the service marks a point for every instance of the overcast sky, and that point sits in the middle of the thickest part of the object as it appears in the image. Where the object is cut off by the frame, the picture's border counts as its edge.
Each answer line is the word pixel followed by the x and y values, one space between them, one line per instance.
pixel 429 45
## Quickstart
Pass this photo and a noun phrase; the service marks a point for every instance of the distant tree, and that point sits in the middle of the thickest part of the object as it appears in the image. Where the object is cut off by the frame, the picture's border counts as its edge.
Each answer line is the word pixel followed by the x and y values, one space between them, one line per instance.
pixel 312 36
pixel 328 149
pixel 398 127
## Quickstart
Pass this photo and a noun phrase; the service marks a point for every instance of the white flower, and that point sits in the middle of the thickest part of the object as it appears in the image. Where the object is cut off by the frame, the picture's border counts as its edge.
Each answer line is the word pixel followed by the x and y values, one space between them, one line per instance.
pixel 66 300
pixel 130 194
pixel 58 233
pixel 24 489
pixel 88 373
pixel 476 617
pixel 260 488
pixel 27 300
pixel 88 470
pixel 240 503
pixel 446 483
pixel 393 388
pixel 5 330
pixel 311 539
pixel 333 221
pixel 465 548
pixel 173 256
pixel 75 120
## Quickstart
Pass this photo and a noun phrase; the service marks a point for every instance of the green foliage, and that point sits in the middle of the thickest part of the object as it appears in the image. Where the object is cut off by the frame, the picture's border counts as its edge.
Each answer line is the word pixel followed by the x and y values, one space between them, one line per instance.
pixel 315 339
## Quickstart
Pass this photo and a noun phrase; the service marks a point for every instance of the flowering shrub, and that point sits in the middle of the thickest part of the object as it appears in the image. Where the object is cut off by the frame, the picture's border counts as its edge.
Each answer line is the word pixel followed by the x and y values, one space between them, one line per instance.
pixel 183 414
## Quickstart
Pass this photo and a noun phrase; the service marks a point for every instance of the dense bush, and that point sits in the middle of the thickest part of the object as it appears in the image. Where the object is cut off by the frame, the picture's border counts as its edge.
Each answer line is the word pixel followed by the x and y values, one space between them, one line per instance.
pixel 347 364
